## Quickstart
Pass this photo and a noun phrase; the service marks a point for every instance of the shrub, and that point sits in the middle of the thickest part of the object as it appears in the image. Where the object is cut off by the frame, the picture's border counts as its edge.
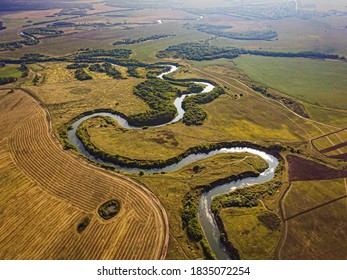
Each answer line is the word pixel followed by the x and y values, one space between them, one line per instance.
pixel 109 209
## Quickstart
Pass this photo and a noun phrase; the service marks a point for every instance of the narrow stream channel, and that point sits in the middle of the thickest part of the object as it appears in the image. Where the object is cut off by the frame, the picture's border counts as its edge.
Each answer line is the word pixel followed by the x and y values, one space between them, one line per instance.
pixel 206 217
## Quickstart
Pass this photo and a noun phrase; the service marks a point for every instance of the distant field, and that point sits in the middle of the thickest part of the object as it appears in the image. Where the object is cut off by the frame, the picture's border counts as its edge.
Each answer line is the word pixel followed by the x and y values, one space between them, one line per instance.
pixel 318 82
pixel 10 71
pixel 40 182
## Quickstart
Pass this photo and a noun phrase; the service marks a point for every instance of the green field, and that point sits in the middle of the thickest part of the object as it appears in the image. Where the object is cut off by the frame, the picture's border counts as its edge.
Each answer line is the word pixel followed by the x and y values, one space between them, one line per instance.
pixel 10 71
pixel 323 83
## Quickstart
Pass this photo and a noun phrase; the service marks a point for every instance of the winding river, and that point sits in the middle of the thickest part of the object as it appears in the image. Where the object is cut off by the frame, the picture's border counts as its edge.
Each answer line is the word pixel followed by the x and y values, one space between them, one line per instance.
pixel 206 217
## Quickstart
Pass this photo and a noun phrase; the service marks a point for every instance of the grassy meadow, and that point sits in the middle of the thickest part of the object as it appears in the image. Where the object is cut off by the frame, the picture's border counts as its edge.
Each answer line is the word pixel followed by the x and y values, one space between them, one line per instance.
pixel 10 71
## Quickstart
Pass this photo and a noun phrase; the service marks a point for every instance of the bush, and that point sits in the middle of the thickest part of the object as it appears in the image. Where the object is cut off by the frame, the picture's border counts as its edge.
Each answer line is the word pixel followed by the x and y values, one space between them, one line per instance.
pixel 270 220
pixel 82 75
pixel 77 66
pixel 109 209
pixel 7 80
pixel 83 225
pixel 194 230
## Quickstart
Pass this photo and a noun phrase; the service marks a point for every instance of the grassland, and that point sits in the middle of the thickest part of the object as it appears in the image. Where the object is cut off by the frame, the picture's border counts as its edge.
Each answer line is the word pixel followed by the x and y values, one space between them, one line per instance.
pixel 322 83
pixel 316 228
pixel 40 182
pixel 10 71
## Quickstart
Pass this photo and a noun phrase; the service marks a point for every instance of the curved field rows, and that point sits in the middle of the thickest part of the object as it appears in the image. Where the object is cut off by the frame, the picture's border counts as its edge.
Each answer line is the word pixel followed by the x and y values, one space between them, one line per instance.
pixel 45 193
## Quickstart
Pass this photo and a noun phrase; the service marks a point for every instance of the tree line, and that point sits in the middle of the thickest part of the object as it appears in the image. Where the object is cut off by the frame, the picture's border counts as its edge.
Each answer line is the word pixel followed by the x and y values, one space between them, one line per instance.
pixel 129 41
pixel 216 30
pixel 205 51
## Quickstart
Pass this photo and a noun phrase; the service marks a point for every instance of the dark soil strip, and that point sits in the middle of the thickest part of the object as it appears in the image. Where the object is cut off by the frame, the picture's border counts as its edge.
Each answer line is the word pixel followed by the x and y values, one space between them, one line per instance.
pixel 301 169
pixel 316 207
pixel 343 157
pixel 334 148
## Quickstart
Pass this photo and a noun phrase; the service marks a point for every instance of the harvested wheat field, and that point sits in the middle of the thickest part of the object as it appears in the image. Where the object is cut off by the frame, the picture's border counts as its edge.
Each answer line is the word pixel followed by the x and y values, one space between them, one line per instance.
pixel 49 199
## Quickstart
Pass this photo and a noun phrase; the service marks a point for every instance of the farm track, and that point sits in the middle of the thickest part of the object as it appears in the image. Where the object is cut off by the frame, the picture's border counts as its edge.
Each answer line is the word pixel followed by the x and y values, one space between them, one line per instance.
pixel 45 192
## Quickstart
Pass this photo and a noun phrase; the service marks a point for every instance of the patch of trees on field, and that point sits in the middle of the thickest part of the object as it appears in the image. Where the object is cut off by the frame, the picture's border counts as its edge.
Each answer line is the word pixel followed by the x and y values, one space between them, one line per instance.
pixel 83 225
pixel 198 51
pixel 82 75
pixel 106 68
pixel 205 51
pixel 2 64
pixel 133 72
pixel 129 41
pixel 265 35
pixel 77 66
pixel 158 94
pixel 62 24
pixel 114 53
pixel 72 12
pixel 309 54
pixel 44 31
pixel 7 80
pixel 109 209
pixel 13 45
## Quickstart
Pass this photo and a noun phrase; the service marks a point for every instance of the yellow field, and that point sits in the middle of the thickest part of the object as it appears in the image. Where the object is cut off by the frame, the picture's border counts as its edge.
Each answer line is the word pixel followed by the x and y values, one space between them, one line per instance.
pixel 46 193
